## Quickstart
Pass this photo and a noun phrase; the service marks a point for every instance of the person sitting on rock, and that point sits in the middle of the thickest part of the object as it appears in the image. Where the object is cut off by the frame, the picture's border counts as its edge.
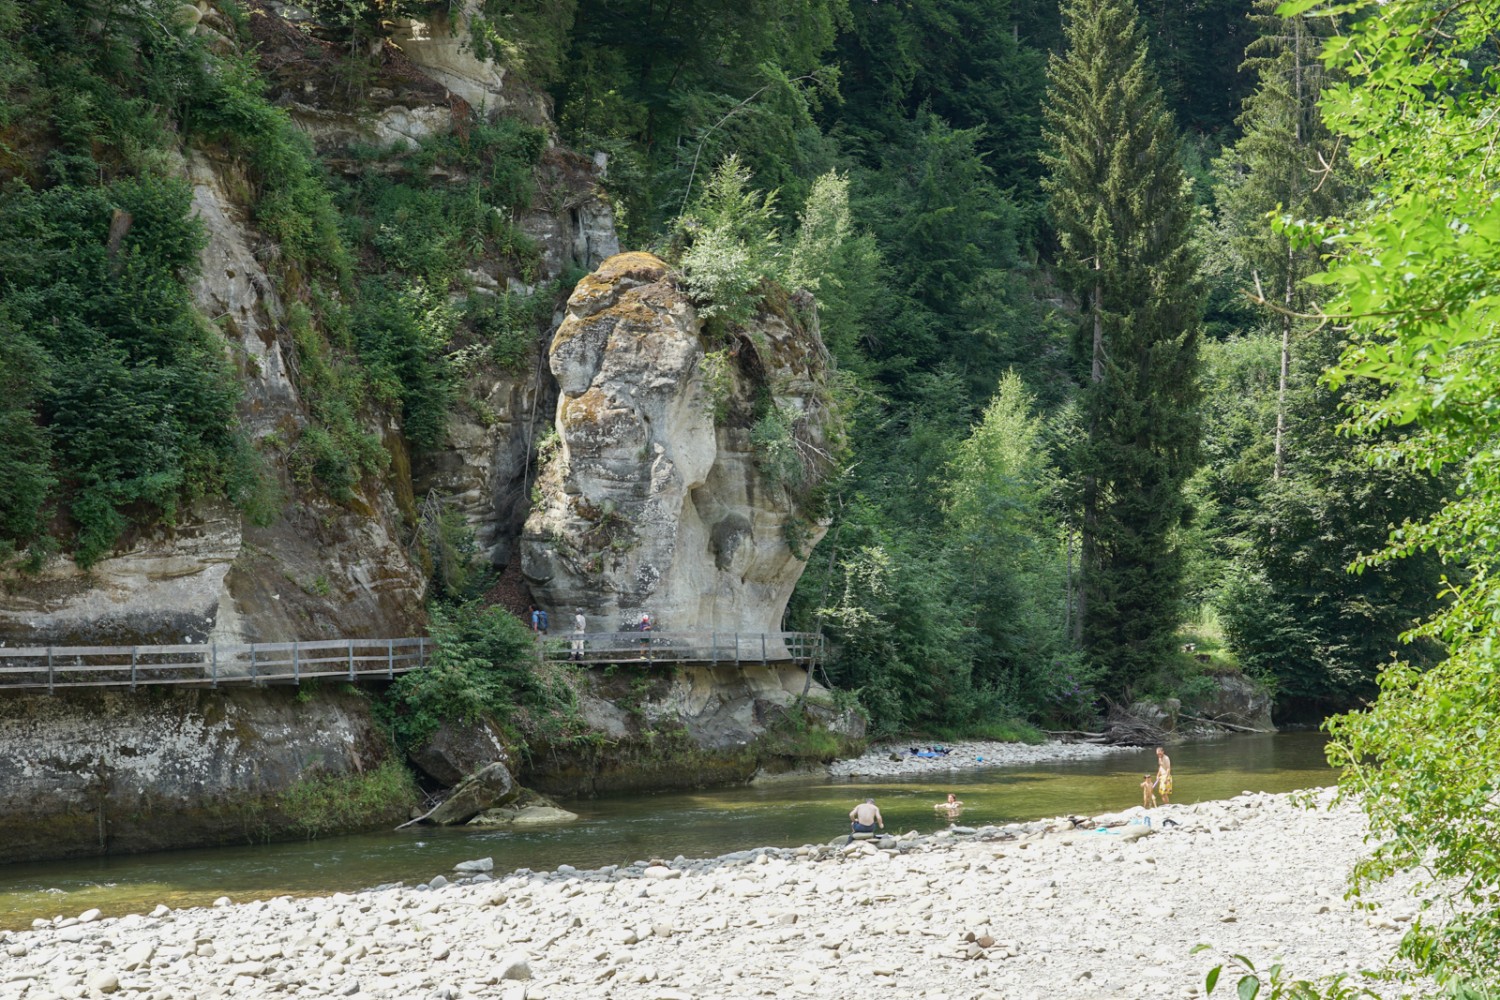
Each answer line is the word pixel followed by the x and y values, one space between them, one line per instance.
pixel 864 817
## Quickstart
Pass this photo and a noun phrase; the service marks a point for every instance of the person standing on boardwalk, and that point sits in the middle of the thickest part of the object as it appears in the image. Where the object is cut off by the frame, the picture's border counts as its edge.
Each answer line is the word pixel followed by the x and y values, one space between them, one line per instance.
pixel 538 620
pixel 864 817
pixel 1164 776
pixel 580 625
pixel 645 626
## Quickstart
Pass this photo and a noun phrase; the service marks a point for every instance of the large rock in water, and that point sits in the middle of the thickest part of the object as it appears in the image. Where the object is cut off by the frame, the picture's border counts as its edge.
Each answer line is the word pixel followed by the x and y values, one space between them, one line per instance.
pixel 656 498
pixel 460 748
pixel 487 788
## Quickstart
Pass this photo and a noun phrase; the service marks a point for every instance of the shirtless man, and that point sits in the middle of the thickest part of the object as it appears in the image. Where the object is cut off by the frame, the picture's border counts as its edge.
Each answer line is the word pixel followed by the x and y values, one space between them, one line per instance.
pixel 1164 776
pixel 864 817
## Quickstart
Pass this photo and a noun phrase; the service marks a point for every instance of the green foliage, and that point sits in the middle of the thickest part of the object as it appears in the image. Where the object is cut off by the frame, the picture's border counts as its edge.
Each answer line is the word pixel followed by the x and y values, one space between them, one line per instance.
pixel 334 451
pixel 1274 983
pixel 735 247
pixel 1415 284
pixel 795 736
pixel 689 83
pixel 998 485
pixel 403 334
pixel 419 237
pixel 528 37
pixel 321 804
pixel 1117 192
pixel 484 664
pixel 718 381
pixel 125 390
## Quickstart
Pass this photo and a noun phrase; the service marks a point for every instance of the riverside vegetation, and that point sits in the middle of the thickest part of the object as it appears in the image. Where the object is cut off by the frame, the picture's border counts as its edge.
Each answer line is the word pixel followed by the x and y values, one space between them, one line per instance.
pixel 1059 470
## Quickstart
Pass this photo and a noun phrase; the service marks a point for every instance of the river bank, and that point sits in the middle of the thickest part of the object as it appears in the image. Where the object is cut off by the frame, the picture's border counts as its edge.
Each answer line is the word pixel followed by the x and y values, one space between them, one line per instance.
pixel 1001 912
pixel 898 760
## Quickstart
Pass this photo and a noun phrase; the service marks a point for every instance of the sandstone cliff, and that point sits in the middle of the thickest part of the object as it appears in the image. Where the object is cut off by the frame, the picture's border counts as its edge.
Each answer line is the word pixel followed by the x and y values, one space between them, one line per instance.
pixel 324 568
pixel 681 476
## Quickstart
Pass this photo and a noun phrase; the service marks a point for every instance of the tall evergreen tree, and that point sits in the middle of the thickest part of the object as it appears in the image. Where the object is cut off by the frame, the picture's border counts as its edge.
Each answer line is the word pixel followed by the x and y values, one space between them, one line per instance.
pixel 1293 611
pixel 1122 208
pixel 1284 161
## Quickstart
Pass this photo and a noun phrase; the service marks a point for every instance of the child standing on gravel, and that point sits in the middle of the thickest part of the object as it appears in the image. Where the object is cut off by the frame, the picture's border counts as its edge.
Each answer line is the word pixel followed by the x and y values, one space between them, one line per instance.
pixel 1148 793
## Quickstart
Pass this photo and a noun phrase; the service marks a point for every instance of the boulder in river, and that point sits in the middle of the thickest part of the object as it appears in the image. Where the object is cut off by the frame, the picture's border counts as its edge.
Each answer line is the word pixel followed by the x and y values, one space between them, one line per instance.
pixel 459 748
pixel 486 788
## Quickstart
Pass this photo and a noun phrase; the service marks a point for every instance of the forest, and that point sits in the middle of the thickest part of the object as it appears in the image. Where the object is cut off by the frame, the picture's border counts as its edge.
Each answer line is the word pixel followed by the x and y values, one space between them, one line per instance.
pixel 1165 333
pixel 1091 455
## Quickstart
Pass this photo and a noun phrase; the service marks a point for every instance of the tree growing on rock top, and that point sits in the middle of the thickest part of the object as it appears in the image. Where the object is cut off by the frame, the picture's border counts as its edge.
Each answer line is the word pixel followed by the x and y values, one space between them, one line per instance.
pixel 1121 204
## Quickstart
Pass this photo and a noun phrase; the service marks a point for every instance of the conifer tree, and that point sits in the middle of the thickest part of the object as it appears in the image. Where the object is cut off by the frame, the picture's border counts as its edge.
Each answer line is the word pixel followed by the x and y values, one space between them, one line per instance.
pixel 1120 202
pixel 1284 162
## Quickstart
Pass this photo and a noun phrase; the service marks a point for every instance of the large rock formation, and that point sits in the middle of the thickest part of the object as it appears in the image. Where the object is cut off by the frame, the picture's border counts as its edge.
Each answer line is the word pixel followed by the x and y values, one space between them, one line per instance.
pixel 657 496
pixel 325 569
pixel 84 774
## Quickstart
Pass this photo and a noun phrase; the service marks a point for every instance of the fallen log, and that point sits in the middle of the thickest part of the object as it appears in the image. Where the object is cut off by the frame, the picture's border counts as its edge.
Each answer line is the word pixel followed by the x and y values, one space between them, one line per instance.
pixel 1080 733
pixel 1226 725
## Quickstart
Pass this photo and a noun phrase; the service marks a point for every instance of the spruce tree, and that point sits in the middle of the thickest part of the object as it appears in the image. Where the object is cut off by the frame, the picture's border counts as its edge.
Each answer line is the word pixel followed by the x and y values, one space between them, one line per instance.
pixel 1285 162
pixel 1121 205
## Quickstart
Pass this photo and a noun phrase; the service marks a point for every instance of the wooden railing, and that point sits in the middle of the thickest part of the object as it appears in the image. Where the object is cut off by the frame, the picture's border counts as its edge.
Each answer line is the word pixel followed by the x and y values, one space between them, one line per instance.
pixel 209 664
pixel 684 647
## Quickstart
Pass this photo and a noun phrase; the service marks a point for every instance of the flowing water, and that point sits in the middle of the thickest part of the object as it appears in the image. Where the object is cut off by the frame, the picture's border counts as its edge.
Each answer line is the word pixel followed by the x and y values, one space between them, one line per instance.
pixel 621 829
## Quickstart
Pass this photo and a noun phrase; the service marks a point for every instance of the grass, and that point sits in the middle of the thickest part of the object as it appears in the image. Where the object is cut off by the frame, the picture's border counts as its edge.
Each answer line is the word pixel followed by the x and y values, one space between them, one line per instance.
pixel 326 803
pixel 995 730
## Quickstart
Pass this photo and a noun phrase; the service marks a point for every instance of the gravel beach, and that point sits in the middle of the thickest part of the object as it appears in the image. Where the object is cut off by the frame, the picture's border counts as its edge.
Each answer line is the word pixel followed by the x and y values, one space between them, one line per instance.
pixel 1027 911
pixel 897 760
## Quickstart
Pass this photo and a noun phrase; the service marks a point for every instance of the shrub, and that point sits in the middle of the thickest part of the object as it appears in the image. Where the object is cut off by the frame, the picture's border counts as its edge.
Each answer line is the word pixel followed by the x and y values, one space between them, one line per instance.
pixel 323 803
pixel 484 664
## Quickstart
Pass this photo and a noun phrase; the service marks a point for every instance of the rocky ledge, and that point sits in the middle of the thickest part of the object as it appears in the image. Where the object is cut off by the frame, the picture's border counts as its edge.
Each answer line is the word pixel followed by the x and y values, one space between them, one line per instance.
pixel 1031 910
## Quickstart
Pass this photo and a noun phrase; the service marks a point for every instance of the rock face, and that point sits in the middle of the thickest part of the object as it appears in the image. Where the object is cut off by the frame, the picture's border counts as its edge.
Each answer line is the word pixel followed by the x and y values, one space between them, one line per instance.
pixel 321 569
pixel 691 727
pixel 1235 699
pixel 655 498
pixel 459 749
pixel 84 774
pixel 486 788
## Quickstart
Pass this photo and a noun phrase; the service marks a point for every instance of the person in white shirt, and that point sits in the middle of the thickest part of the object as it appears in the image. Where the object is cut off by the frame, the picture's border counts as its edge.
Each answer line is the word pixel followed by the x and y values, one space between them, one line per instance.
pixel 580 625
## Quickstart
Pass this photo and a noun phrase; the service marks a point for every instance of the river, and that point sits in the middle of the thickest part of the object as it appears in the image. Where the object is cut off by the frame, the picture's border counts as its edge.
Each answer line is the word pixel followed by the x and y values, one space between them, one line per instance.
pixel 621 829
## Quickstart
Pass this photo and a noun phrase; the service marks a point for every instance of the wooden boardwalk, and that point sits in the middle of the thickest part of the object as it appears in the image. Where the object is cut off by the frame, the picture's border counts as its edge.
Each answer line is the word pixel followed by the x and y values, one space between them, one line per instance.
pixel 209 664
pixel 53 668
pixel 708 648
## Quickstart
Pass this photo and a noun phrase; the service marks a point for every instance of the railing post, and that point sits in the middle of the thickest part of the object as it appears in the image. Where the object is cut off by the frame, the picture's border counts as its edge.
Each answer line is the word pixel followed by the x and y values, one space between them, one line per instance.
pixel 214 660
pixel 134 650
pixel 763 649
pixel 351 659
pixel 713 647
pixel 252 663
pixel 49 670
pixel 736 649
pixel 296 665
pixel 421 651
pixel 390 658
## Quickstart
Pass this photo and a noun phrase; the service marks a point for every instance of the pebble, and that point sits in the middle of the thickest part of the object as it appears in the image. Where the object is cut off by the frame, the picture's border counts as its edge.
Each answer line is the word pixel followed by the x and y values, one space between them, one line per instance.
pixel 878 761
pixel 1033 909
